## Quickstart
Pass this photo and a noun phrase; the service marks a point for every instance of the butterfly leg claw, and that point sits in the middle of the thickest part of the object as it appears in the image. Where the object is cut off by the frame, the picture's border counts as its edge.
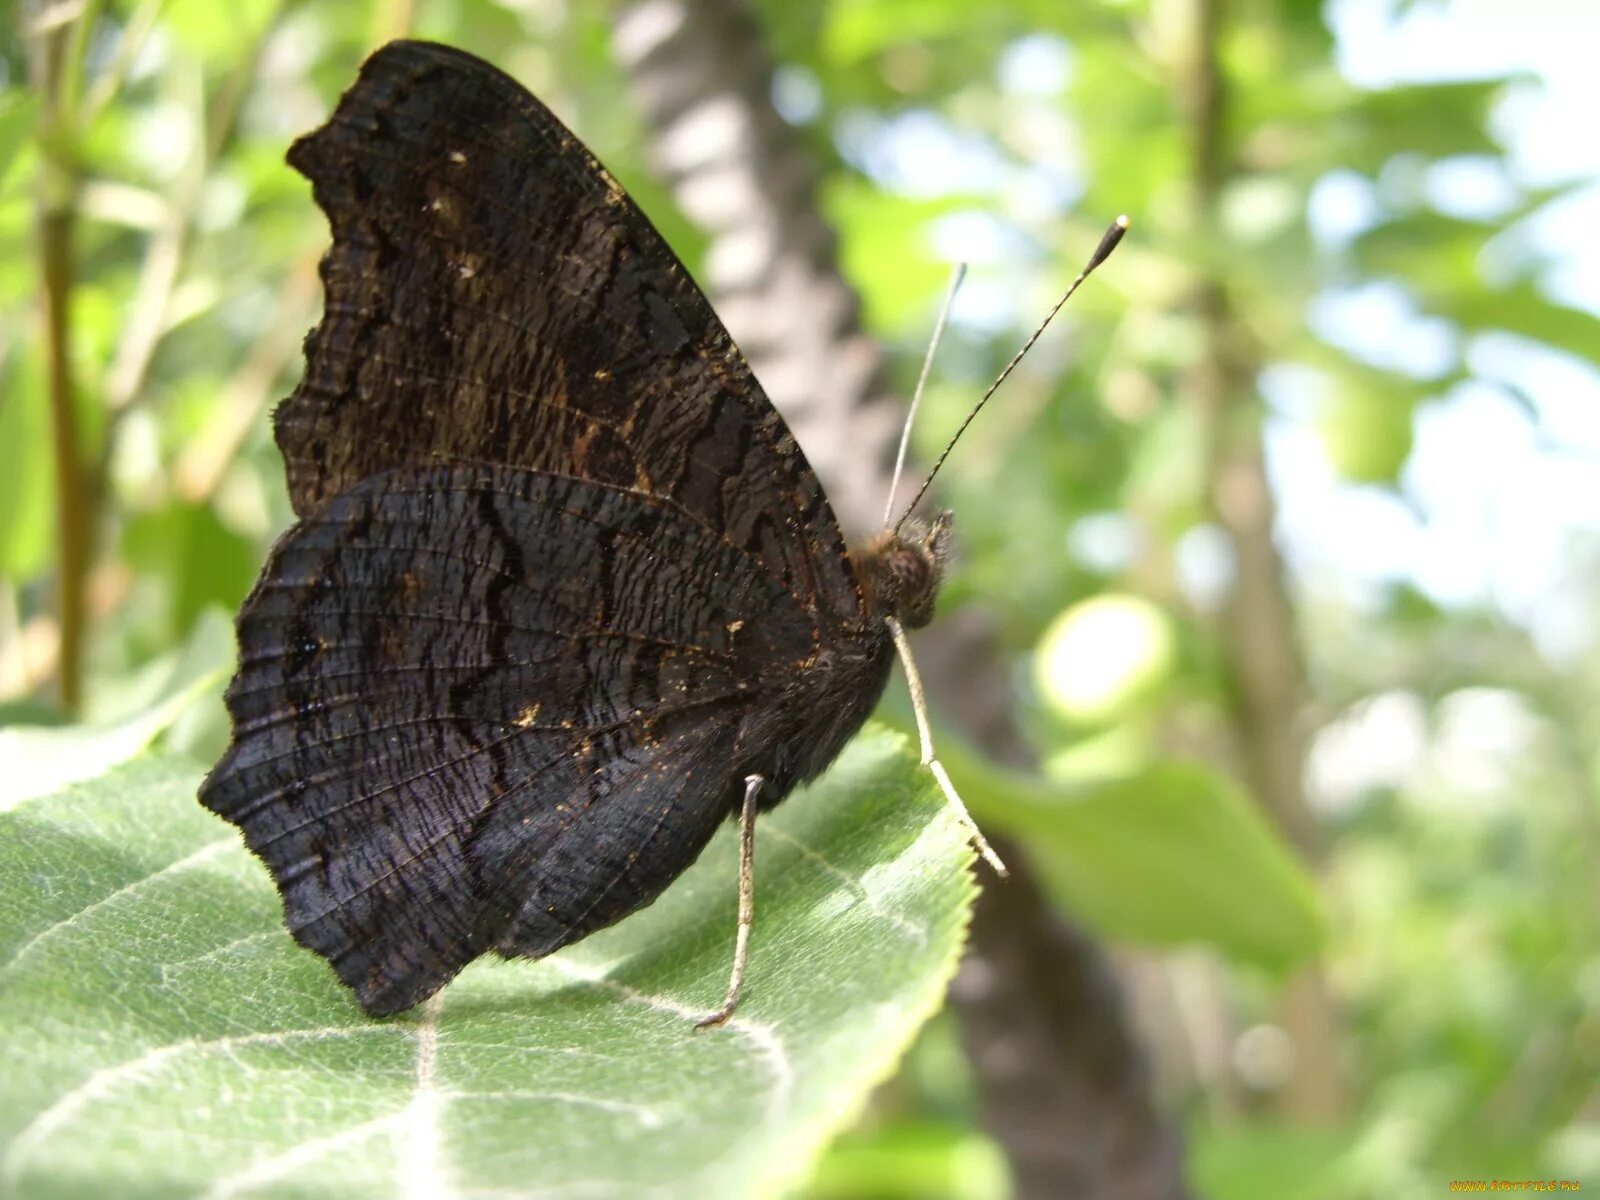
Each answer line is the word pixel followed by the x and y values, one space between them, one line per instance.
pixel 747 902
pixel 925 734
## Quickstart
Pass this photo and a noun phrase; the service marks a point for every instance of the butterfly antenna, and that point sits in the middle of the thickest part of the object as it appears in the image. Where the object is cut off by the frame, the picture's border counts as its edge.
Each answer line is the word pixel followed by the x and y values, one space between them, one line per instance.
pixel 1108 243
pixel 956 277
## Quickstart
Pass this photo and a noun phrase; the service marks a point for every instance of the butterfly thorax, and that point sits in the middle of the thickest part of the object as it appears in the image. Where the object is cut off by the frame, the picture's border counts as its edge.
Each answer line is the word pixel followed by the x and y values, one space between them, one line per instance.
pixel 900 570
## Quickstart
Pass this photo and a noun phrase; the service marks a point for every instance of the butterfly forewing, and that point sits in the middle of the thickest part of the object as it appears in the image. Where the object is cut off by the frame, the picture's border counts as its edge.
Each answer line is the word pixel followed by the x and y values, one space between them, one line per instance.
pixel 494 296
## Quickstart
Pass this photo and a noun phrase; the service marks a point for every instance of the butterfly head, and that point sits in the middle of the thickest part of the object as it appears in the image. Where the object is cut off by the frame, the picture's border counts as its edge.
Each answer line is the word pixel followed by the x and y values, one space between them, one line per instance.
pixel 901 569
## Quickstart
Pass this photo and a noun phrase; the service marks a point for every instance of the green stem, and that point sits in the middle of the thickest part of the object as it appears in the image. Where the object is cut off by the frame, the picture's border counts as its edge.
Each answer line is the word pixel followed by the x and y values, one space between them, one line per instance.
pixel 72 557
pixel 57 61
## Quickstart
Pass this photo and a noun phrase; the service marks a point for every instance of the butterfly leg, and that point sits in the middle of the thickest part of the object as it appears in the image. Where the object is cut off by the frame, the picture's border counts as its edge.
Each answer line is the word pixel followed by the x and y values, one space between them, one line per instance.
pixel 919 705
pixel 747 901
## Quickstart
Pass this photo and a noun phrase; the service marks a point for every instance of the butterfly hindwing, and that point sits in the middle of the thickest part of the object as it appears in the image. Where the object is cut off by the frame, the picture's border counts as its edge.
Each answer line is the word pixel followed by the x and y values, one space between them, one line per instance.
pixel 447 675
pixel 655 793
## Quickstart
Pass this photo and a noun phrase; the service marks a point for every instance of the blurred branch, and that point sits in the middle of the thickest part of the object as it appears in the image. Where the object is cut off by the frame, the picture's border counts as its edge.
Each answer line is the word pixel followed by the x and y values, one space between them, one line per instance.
pixel 392 19
pixel 134 31
pixel 1076 1120
pixel 56 49
pixel 1263 643
pixel 72 500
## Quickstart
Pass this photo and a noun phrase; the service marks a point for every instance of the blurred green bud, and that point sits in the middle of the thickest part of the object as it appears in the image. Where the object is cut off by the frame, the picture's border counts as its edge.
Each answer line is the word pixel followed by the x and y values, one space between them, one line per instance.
pixel 1367 435
pixel 1103 657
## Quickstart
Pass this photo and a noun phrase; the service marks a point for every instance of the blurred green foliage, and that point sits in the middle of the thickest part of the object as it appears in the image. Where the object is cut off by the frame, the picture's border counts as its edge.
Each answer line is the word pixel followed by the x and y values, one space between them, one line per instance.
pixel 1453 768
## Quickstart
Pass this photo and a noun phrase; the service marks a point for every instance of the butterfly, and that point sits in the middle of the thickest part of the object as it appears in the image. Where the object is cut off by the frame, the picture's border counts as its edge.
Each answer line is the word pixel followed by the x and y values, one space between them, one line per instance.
pixel 563 594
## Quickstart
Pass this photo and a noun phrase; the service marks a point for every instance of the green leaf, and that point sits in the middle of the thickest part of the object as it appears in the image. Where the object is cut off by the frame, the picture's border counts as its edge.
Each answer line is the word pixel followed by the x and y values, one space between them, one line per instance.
pixel 161 1035
pixel 1432 120
pixel 206 563
pixel 912 1159
pixel 1273 1162
pixel 1523 309
pixel 1168 854
pixel 1174 854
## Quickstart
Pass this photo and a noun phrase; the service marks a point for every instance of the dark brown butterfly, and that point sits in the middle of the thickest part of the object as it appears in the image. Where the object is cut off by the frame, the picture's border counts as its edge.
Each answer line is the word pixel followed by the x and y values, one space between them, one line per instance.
pixel 563 594
pixel 562 579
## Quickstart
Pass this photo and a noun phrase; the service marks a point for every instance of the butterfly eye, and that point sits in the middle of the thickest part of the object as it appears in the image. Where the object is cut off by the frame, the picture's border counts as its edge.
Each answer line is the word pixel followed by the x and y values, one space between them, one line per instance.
pixel 911 568
pixel 916 576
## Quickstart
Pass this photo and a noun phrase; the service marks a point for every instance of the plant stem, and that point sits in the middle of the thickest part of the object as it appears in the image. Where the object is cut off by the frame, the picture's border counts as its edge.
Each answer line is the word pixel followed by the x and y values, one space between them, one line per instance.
pixel 57 69
pixel 72 552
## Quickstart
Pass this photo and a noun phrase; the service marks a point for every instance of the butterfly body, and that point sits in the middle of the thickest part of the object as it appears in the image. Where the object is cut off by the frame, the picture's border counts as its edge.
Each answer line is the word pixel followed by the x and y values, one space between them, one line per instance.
pixel 561 579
